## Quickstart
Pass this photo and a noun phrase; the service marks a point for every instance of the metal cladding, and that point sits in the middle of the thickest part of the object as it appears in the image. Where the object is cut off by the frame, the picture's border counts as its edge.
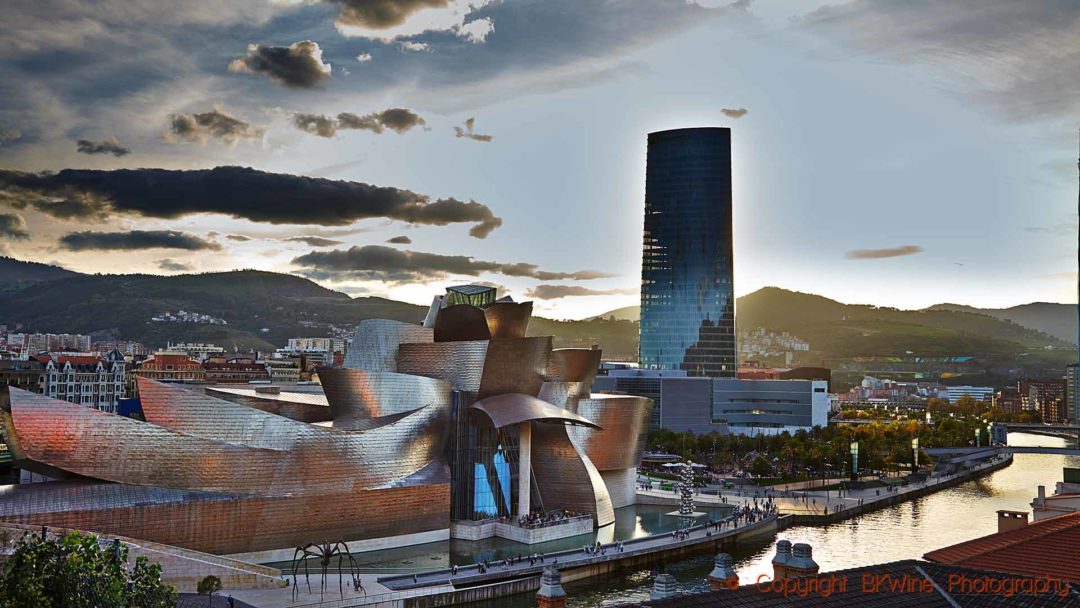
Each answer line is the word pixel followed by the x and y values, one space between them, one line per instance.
pixel 515 366
pixel 361 395
pixel 302 407
pixel 375 344
pixel 574 365
pixel 565 477
pixel 461 322
pixel 625 420
pixel 514 408
pixel 564 394
pixel 459 363
pixel 508 319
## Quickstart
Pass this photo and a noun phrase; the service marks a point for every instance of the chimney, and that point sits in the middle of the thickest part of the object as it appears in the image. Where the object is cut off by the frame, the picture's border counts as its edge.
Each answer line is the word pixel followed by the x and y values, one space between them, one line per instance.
pixel 1011 520
pixel 779 563
pixel 551 593
pixel 802 562
pixel 663 587
pixel 722 575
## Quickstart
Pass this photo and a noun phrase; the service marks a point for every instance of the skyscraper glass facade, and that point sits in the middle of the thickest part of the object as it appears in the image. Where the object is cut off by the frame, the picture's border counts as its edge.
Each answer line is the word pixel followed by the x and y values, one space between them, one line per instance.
pixel 687 293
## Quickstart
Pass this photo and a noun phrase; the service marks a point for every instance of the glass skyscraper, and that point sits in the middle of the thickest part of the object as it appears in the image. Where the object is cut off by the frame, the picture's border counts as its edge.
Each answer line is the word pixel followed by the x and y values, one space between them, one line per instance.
pixel 687 293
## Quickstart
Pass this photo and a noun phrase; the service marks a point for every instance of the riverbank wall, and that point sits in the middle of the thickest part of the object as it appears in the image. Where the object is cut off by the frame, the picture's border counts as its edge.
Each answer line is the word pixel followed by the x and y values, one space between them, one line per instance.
pixel 890 499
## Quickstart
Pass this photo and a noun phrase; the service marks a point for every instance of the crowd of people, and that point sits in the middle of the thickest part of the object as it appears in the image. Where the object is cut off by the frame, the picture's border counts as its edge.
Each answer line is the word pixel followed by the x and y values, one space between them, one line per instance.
pixel 540 520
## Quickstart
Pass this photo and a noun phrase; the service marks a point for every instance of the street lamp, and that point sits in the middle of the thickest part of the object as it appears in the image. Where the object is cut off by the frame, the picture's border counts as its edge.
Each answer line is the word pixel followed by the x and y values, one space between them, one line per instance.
pixel 915 451
pixel 927 416
pixel 989 433
pixel 978 437
pixel 854 461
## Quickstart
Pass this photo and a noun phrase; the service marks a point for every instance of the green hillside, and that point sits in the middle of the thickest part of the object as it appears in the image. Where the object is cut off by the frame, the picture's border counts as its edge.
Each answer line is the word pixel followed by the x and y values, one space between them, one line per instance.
pixel 16 273
pixel 1058 320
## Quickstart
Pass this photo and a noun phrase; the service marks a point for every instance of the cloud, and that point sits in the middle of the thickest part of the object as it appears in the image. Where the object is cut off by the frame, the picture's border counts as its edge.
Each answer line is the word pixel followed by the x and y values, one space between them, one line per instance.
pixel 174 266
pixel 298 65
pixel 199 128
pixel 413 47
pixel 733 112
pixel 476 31
pixel 1063 229
pixel 109 146
pixel 13 227
pixel 554 292
pixel 388 20
pixel 468 131
pixel 877 254
pixel 237 237
pixel 363 57
pixel 314 241
pixel 238 192
pixel 400 240
pixel 1018 57
pixel 382 14
pixel 136 239
pixel 377 262
pixel 399 120
pixel 7 135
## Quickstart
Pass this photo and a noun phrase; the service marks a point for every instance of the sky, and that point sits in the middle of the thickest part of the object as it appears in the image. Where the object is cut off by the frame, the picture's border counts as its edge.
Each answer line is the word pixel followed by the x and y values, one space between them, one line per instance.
pixel 892 153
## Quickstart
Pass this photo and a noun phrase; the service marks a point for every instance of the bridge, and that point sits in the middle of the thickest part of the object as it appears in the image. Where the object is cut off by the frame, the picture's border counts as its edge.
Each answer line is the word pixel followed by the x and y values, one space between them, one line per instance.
pixel 966 454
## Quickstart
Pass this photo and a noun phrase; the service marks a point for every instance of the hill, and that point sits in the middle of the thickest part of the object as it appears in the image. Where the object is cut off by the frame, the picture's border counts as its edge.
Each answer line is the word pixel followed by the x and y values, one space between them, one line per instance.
pixel 1058 320
pixel 15 272
pixel 626 313
pixel 263 310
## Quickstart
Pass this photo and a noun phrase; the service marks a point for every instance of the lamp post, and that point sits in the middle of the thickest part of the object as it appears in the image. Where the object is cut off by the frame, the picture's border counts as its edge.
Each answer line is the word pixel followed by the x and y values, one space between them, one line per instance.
pixel 978 437
pixel 915 452
pixel 854 461
pixel 989 433
pixel 927 416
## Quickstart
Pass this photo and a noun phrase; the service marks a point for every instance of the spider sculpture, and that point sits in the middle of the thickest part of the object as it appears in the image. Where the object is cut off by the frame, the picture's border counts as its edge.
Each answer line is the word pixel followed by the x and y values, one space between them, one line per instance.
pixel 325 553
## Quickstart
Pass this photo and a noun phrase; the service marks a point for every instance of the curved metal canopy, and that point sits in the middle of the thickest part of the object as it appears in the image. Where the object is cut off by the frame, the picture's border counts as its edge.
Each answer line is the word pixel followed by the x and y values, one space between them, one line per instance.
pixel 512 408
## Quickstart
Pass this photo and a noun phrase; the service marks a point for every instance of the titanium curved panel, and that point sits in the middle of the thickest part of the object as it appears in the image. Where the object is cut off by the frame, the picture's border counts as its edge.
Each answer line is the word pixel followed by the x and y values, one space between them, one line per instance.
pixel 563 394
pixel 376 341
pixel 515 365
pixel 622 486
pixel 459 363
pixel 363 395
pixel 509 409
pixel 565 477
pixel 508 319
pixel 574 365
pixel 317 459
pixel 625 420
pixel 302 407
pixel 461 322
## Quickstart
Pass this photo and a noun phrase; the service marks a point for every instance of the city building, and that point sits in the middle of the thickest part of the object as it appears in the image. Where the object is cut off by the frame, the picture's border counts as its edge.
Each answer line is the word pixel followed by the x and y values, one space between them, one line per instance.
pixel 465 429
pixel 283 371
pixel 27 375
pixel 1071 403
pixel 171 366
pixel 235 370
pixel 1065 499
pixel 978 393
pixel 196 350
pixel 770 407
pixel 1045 396
pixel 687 273
pixel 1008 399
pixel 94 382
pixel 680 402
pixel 302 344
pixel 703 405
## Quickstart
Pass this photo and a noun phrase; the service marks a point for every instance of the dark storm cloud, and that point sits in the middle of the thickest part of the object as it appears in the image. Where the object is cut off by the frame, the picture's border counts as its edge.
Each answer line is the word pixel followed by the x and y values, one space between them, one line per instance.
pixel 135 239
pixel 237 237
pixel 174 266
pixel 237 192
pixel 109 146
pixel 381 14
pixel 469 133
pixel 13 227
pixel 298 65
pixel 734 112
pixel 877 254
pixel 377 262
pixel 400 240
pixel 214 124
pixel 398 120
pixel 1021 57
pixel 554 292
pixel 314 241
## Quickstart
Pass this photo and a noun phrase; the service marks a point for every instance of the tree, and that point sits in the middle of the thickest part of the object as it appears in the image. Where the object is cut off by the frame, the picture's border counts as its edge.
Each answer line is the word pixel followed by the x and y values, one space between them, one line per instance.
pixel 80 571
pixel 761 467
pixel 210 585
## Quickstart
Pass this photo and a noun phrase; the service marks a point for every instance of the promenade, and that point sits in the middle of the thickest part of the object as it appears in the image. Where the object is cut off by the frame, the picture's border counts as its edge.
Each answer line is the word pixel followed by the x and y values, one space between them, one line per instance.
pixel 833 504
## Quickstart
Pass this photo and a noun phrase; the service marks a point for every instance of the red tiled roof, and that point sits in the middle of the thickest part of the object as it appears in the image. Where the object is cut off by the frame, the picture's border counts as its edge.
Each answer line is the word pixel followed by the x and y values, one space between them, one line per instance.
pixel 78 360
pixel 1042 548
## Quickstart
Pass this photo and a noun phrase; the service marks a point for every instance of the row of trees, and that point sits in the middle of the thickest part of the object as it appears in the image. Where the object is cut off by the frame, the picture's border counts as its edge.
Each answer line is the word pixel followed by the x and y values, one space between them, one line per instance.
pixel 882 445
